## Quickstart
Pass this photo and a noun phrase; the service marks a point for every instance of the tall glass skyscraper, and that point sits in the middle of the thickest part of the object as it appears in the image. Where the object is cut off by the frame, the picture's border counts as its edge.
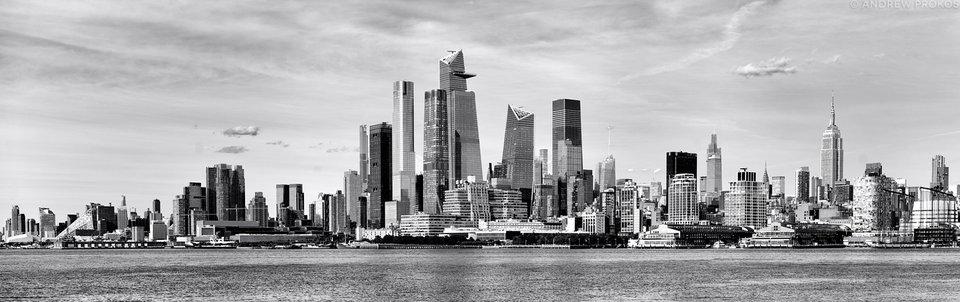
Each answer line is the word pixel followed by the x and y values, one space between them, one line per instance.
pixel 714 167
pixel 404 154
pixel 567 131
pixel 226 193
pixel 364 157
pixel 352 192
pixel 464 137
pixel 608 173
pixel 831 151
pixel 518 150
pixel 436 153
pixel 803 185
pixel 380 183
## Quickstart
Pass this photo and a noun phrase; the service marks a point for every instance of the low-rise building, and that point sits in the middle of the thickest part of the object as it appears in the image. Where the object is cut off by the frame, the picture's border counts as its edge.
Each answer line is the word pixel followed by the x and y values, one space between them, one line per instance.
pixel 423 224
pixel 772 236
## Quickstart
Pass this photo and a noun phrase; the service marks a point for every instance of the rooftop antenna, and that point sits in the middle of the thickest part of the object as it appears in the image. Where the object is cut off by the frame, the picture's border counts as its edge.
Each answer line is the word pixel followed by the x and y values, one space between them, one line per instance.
pixel 609 138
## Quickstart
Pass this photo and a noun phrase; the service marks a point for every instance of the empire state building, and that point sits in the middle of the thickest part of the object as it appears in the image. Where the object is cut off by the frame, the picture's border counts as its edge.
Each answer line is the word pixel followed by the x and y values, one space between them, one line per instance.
pixel 831 151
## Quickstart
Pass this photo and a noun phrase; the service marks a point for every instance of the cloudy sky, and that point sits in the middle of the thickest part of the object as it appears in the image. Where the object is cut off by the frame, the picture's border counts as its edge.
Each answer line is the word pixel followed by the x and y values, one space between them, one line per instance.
pixel 99 99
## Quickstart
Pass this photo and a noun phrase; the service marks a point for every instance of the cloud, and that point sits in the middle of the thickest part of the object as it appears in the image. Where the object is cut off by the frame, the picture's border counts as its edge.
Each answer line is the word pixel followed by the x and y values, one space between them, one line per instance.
pixel 342 149
pixel 318 145
pixel 731 34
pixel 834 60
pixel 766 68
pixel 233 149
pixel 278 143
pixel 241 131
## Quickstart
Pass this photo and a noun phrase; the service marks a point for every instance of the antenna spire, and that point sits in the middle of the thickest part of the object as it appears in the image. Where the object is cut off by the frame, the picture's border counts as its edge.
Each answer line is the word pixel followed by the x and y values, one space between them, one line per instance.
pixel 833 111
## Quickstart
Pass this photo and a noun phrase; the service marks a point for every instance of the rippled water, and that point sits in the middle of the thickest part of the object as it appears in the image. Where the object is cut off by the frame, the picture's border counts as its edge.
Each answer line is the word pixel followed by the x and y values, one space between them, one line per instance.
pixel 232 275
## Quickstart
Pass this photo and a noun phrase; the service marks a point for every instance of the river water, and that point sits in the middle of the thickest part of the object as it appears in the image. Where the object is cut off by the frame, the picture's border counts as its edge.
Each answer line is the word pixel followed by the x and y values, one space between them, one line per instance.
pixel 490 274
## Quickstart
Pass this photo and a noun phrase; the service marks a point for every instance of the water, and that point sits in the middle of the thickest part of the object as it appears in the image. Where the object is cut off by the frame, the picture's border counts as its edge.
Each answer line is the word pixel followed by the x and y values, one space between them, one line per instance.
pixel 514 274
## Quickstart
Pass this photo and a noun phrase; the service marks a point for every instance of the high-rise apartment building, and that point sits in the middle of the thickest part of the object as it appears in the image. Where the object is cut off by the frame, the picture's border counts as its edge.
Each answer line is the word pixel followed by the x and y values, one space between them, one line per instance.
pixel 463 133
pixel 48 223
pixel 518 150
pixel 436 153
pixel 877 202
pixel 714 167
pixel 682 200
pixel 803 185
pixel 404 154
pixel 831 151
pixel 778 185
pixel 628 207
pixel 186 206
pixel 746 203
pixel 380 184
pixel 364 169
pixel 940 174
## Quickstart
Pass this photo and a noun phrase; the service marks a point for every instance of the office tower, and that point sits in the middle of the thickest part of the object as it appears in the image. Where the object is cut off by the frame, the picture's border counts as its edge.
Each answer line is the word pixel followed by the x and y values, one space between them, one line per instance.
pixel 714 166
pixel 518 150
pixel 803 185
pixel 312 210
pixel 680 162
pixel 156 205
pixel 364 157
pixel 352 190
pixel 338 213
pixel 226 196
pixel 608 173
pixel 158 231
pixel 566 135
pixel 579 192
pixel 940 179
pixel 380 184
pixel 656 190
pixel 48 223
pixel 470 199
pixel 187 209
pixel 507 204
pixel 746 203
pixel 257 210
pixel 419 187
pixel 436 153
pixel 816 189
pixel 779 186
pixel 540 166
pixel 702 185
pixel 364 211
pixel 463 134
pixel 544 200
pixel 104 217
pixel 392 211
pixel 404 157
pixel 122 215
pixel 831 151
pixel 682 200
pixel 290 204
pixel 876 202
pixel 628 207
pixel 15 222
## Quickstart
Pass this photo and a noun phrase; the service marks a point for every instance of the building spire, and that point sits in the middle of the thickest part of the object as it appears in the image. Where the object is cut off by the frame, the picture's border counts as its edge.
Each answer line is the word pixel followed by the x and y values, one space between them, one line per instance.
pixel 833 112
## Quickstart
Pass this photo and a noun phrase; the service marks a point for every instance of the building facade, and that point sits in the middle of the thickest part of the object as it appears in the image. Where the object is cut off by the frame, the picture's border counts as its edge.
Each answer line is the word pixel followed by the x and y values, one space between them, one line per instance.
pixel 518 150
pixel 380 183
pixel 746 203
pixel 463 131
pixel 682 205
pixel 831 152
pixel 436 153
pixel 404 154
pixel 714 166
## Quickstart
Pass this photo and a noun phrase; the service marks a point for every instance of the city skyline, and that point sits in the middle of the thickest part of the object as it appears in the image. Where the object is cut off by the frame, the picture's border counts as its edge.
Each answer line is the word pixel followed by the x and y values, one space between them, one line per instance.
pixel 279 124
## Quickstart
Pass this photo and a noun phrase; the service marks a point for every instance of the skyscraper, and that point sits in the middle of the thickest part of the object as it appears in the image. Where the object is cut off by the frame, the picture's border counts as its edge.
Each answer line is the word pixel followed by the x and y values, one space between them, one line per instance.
pixel 714 166
pixel 831 151
pixel 518 150
pixel 778 184
pixel 628 207
pixel 541 166
pixel 436 153
pixel 746 203
pixel 257 210
pixel 193 199
pixel 404 157
pixel 940 174
pixel 364 157
pixel 679 163
pixel 380 184
pixel 352 192
pixel 567 135
pixel 608 173
pixel 225 186
pixel 123 217
pixel 876 202
pixel 803 184
pixel 290 204
pixel 15 222
pixel 682 199
pixel 463 133
pixel 48 223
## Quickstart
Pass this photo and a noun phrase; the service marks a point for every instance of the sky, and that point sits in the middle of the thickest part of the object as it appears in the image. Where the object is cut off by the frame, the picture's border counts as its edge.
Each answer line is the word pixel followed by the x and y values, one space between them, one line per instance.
pixel 100 99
